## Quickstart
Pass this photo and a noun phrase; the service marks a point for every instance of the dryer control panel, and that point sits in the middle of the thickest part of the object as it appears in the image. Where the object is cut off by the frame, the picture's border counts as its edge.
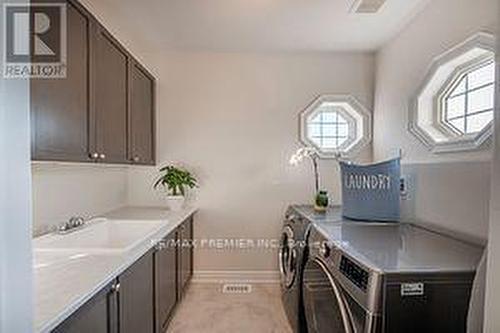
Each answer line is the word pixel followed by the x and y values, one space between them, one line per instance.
pixel 354 273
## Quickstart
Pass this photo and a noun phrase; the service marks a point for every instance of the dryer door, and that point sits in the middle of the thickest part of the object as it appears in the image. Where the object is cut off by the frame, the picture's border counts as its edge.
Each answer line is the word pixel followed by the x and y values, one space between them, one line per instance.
pixel 325 307
pixel 287 257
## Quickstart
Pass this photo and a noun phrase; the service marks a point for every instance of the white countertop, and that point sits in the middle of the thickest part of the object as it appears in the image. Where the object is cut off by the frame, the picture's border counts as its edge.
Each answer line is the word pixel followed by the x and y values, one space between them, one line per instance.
pixel 64 281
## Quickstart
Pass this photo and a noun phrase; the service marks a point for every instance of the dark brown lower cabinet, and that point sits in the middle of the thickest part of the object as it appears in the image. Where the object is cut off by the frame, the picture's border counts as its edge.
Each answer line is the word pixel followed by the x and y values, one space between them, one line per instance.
pixel 136 297
pixel 143 298
pixel 98 315
pixel 185 255
pixel 165 280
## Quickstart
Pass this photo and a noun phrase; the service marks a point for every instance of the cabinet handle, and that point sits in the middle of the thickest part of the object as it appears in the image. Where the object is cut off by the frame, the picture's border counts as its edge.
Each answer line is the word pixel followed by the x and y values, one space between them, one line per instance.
pixel 115 287
pixel 136 159
pixel 94 156
pixel 102 156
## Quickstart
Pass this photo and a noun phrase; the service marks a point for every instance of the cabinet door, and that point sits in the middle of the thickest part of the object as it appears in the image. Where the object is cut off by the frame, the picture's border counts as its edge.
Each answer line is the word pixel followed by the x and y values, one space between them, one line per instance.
pixel 109 72
pixel 98 315
pixel 141 115
pixel 185 253
pixel 60 107
pixel 136 297
pixel 165 281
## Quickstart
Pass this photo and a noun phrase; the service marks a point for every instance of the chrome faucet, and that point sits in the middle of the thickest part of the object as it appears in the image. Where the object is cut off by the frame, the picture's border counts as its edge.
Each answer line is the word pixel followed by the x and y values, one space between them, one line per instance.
pixel 75 222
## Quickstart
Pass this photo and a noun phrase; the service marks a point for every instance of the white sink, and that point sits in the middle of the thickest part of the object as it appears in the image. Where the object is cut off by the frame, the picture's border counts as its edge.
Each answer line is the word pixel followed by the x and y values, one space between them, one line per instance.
pixel 49 259
pixel 100 237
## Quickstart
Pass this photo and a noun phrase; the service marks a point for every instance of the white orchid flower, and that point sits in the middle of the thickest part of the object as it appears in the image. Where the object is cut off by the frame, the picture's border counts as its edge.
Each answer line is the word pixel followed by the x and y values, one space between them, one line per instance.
pixel 299 155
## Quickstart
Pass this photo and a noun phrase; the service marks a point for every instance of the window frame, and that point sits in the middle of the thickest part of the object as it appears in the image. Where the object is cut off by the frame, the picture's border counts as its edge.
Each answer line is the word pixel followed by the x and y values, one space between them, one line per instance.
pixel 357 116
pixel 424 121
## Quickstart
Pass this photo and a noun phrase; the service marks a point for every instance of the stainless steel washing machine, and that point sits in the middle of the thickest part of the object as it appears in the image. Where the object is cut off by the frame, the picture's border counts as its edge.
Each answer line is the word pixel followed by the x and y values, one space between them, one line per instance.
pixel 391 278
pixel 291 257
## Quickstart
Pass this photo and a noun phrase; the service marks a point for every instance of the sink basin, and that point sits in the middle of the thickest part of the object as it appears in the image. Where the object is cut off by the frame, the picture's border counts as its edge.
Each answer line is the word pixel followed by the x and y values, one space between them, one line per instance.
pixel 100 236
pixel 48 259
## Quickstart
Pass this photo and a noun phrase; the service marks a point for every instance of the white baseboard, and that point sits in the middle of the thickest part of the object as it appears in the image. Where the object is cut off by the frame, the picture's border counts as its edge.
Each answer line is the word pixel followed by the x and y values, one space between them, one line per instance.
pixel 236 276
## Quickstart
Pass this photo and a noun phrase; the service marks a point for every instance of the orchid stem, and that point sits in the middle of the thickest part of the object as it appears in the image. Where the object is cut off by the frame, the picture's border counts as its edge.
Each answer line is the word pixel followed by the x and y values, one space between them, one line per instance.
pixel 314 161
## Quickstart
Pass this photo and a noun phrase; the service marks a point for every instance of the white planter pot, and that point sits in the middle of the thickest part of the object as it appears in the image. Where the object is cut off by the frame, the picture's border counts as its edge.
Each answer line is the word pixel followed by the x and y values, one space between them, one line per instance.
pixel 175 202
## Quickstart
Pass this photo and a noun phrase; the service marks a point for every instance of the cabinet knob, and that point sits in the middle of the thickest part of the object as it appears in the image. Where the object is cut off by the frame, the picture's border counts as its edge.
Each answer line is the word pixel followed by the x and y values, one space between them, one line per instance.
pixel 115 287
pixel 102 156
pixel 136 159
pixel 94 156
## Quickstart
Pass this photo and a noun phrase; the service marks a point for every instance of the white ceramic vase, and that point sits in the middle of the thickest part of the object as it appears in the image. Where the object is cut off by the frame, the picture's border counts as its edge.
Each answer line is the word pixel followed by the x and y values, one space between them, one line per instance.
pixel 175 202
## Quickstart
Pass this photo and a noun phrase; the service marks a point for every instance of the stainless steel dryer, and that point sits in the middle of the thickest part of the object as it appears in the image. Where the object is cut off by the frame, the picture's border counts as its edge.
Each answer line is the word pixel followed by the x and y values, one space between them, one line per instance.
pixel 391 278
pixel 292 255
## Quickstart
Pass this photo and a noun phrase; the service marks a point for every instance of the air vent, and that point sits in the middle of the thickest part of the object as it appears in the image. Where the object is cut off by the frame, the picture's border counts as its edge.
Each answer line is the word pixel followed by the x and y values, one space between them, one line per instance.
pixel 236 288
pixel 366 6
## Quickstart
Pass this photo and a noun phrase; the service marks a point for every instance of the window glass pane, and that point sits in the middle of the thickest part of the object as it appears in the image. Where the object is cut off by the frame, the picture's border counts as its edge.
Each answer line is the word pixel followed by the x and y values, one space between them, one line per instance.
pixel 482 99
pixel 329 117
pixel 476 123
pixel 330 130
pixel 482 76
pixel 458 124
pixel 343 130
pixel 329 143
pixel 455 107
pixel 340 119
pixel 314 130
pixel 459 89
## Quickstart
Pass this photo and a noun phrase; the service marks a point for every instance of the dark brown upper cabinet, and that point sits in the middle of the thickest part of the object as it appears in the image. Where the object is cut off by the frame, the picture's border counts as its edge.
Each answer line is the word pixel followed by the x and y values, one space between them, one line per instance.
pixel 141 115
pixel 60 107
pixel 109 101
pixel 103 111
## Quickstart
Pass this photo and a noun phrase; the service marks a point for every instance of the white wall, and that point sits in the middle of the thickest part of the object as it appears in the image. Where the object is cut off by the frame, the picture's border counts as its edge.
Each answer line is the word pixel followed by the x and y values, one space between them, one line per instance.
pixel 403 63
pixel 492 320
pixel 233 119
pixel 61 191
pixel 15 210
pixel 439 195
pixel 448 191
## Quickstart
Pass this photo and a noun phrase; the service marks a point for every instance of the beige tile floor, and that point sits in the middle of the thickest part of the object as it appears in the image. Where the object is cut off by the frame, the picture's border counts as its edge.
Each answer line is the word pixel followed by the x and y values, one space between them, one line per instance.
pixel 206 309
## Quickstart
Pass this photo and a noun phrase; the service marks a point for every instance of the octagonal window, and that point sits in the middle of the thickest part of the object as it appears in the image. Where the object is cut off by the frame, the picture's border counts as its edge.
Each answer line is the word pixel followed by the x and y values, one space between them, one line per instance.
pixel 328 128
pixel 468 106
pixel 335 124
pixel 452 110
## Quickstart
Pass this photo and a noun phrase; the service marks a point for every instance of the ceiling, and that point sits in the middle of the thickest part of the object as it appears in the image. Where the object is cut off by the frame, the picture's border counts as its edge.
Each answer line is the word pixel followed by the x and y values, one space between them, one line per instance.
pixel 256 25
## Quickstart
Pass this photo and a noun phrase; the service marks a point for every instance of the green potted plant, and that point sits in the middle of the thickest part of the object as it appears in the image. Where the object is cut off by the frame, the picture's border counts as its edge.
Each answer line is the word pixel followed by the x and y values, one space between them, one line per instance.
pixel 175 181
